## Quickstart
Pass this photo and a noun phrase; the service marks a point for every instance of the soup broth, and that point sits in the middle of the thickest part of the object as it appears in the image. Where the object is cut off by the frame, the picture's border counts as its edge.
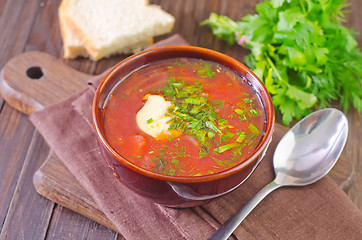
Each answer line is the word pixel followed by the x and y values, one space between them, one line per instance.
pixel 184 117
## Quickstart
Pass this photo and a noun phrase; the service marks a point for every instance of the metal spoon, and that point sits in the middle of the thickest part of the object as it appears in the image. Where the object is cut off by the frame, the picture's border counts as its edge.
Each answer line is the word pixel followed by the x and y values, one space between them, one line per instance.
pixel 304 155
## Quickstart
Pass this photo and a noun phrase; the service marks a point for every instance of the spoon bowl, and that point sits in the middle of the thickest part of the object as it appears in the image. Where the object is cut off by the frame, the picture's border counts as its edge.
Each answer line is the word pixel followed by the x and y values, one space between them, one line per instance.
pixel 305 154
pixel 309 150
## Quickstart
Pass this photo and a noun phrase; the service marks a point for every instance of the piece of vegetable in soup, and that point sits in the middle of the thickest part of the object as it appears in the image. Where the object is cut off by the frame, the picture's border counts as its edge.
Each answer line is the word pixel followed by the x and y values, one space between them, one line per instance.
pixel 184 117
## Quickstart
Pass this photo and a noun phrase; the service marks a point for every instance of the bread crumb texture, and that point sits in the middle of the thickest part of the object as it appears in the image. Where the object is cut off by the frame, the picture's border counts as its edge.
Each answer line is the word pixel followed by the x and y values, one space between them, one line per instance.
pixel 101 28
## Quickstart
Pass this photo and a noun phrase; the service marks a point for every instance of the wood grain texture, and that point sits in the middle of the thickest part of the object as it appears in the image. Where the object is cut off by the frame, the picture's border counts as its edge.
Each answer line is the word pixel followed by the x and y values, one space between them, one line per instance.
pixel 14 142
pixel 54 181
pixel 68 225
pixel 23 90
pixel 353 148
pixel 26 206
pixel 16 24
pixel 15 129
pixel 33 26
pixel 353 151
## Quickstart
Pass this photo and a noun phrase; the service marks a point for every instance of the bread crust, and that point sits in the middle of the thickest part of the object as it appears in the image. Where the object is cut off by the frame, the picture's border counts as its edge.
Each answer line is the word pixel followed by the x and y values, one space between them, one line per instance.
pixel 70 49
pixel 68 24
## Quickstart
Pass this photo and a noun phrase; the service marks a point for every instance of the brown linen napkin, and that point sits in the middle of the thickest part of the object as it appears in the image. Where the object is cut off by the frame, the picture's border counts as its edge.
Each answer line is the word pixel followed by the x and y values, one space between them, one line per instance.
pixel 319 211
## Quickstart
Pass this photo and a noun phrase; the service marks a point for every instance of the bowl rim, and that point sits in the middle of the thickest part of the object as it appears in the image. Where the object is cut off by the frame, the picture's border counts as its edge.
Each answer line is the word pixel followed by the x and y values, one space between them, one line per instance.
pixel 258 151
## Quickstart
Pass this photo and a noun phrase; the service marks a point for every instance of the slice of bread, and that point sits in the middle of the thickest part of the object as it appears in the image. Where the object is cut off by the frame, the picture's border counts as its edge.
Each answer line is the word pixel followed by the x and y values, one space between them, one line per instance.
pixel 72 47
pixel 105 27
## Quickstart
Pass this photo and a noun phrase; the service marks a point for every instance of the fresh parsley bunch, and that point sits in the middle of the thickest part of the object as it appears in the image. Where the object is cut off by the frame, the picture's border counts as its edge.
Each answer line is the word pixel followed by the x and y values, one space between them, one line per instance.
pixel 301 51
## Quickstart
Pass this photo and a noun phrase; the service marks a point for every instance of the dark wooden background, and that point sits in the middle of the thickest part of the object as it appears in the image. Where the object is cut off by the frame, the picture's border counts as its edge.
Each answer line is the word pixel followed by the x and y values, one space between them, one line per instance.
pixel 33 25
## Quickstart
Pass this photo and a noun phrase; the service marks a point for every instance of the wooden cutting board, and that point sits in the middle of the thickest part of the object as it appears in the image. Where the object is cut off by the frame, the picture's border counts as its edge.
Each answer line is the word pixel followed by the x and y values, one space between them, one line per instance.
pixel 34 80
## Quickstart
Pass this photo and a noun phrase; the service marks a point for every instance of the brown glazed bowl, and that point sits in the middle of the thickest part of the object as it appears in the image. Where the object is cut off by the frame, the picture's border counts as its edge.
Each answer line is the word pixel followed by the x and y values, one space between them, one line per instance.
pixel 176 191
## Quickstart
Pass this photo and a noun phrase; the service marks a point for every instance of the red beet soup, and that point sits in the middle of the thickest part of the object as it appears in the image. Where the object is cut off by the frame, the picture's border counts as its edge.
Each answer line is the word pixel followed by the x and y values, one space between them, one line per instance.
pixel 184 117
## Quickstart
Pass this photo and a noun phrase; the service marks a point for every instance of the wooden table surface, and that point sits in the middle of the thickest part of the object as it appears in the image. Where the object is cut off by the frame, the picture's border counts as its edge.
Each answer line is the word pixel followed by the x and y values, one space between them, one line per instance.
pixel 33 25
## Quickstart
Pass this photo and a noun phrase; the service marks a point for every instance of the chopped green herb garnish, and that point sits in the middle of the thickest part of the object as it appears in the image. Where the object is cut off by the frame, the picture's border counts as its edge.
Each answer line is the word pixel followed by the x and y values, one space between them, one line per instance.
pixel 247 100
pixel 238 150
pixel 253 129
pixel 241 137
pixel 210 134
pixel 168 91
pixel 171 172
pixel 250 138
pixel 224 163
pixel 223 123
pixel 239 111
pixel 149 120
pixel 227 136
pixel 225 147
pixel 172 166
pixel 196 100
pixel 253 112
pixel 197 174
pixel 242 117
pixel 195 115
pixel 218 103
pixel 192 169
pixel 212 126
pixel 205 71
pixel 191 112
pixel 203 153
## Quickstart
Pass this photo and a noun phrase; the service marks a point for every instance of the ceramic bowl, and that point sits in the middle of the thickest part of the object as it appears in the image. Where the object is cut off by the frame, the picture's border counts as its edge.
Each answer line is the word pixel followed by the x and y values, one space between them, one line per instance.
pixel 177 191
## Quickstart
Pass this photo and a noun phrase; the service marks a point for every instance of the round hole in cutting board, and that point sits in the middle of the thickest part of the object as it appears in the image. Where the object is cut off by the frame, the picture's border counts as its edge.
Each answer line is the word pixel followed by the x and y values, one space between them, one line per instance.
pixel 34 72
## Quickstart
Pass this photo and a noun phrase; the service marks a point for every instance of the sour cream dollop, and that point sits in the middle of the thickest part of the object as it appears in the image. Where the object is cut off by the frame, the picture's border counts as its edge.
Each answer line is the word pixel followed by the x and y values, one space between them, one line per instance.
pixel 152 119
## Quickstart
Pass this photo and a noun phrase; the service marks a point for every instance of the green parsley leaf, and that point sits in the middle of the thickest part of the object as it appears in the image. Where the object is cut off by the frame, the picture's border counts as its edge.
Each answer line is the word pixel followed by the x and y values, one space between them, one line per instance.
pixel 301 51
pixel 222 26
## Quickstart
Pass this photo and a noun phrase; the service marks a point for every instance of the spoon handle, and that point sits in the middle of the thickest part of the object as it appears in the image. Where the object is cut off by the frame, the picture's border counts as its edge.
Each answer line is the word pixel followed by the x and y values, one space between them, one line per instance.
pixel 230 225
